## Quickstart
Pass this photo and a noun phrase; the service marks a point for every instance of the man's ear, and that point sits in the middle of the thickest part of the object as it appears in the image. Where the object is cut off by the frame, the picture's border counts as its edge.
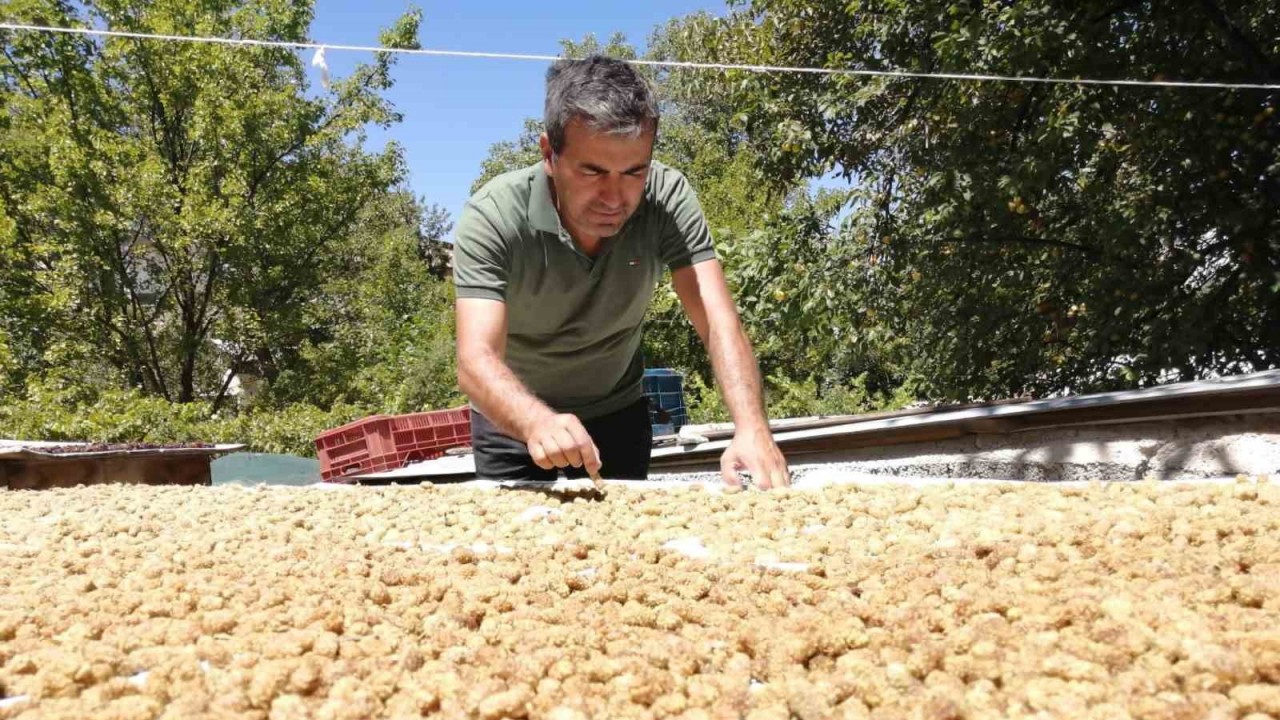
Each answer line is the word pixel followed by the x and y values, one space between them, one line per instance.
pixel 544 143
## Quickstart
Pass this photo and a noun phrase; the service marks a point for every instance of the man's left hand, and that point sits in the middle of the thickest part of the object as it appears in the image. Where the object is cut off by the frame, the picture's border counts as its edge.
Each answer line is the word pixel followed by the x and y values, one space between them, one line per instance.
pixel 755 452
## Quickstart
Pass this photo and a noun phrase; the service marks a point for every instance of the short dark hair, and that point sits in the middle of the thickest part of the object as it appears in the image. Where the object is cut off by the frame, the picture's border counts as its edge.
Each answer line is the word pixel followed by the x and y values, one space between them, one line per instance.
pixel 606 94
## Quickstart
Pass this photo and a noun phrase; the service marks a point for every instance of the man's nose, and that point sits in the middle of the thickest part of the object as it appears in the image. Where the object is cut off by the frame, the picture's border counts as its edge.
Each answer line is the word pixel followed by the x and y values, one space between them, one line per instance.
pixel 611 193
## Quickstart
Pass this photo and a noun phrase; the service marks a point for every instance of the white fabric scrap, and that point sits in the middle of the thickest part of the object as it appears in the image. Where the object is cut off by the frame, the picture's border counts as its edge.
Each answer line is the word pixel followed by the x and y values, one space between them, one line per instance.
pixel 478 548
pixel 771 562
pixel 691 546
pixel 318 61
pixel 539 512
pixel 11 701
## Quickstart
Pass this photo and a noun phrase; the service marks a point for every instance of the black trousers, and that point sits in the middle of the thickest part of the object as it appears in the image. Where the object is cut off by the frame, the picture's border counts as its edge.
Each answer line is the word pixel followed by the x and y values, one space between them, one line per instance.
pixel 624 438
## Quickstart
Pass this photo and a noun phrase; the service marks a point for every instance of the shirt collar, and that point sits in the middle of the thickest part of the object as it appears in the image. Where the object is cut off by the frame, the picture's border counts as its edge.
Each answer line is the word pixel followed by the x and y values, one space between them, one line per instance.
pixel 542 206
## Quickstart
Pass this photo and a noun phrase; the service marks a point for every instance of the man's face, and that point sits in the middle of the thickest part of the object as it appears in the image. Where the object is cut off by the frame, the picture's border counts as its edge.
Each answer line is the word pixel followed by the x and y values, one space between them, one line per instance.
pixel 599 179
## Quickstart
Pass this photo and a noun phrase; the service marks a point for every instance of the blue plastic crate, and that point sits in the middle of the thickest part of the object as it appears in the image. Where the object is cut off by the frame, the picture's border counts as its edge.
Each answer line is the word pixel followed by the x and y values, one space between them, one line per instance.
pixel 665 389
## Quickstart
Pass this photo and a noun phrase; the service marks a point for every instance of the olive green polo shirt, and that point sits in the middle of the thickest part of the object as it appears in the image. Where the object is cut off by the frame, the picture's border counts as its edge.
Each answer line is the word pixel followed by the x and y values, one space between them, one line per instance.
pixel 574 322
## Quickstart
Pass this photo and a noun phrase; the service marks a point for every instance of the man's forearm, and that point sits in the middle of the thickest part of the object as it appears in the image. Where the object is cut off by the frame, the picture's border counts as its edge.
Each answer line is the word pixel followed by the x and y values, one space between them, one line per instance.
pixel 736 370
pixel 500 395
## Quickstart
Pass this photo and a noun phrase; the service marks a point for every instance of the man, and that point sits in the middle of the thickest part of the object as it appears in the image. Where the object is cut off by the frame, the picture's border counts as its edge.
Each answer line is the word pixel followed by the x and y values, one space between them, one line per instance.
pixel 555 266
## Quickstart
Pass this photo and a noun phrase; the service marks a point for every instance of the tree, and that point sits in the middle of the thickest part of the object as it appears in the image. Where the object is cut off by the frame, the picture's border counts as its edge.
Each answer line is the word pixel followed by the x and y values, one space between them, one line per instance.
pixel 382 331
pixel 169 206
pixel 1032 238
pixel 433 248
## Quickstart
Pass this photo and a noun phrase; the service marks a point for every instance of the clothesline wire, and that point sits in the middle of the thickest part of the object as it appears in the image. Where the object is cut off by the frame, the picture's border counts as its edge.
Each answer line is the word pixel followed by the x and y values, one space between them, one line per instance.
pixel 973 77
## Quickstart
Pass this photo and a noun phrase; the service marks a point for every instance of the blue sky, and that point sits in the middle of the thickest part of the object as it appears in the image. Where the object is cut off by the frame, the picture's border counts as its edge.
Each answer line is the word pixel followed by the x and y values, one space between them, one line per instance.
pixel 455 108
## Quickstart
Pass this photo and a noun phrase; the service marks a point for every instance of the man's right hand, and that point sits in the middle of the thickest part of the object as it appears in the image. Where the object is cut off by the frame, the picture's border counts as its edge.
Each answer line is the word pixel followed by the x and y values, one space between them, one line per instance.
pixel 561 441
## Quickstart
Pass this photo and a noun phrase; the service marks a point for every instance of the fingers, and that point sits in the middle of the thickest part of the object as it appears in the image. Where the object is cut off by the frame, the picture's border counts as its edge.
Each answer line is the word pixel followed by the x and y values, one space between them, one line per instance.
pixel 539 455
pixel 776 467
pixel 772 471
pixel 766 467
pixel 588 453
pixel 570 447
pixel 565 443
pixel 729 469
pixel 595 463
pixel 761 476
pixel 764 481
pixel 546 453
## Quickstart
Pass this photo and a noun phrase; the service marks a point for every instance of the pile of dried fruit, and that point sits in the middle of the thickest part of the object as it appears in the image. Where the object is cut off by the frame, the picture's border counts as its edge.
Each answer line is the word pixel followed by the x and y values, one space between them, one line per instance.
pixel 987 601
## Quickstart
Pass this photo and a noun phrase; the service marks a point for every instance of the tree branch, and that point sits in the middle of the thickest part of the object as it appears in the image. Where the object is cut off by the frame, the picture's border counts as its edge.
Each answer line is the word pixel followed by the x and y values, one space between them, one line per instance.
pixel 168 125
pixel 232 372
pixel 22 75
pixel 297 145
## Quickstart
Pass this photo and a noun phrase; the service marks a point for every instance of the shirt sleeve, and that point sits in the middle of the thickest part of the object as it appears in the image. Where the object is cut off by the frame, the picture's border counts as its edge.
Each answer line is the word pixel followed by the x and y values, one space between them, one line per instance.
pixel 686 239
pixel 481 261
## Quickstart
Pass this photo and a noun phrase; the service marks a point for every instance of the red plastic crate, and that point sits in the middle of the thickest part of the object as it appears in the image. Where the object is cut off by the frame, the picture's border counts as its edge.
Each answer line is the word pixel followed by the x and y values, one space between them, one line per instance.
pixel 389 442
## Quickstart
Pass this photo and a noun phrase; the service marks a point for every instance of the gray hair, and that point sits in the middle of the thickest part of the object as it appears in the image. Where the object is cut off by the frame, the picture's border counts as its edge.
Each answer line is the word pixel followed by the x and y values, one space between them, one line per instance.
pixel 606 94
